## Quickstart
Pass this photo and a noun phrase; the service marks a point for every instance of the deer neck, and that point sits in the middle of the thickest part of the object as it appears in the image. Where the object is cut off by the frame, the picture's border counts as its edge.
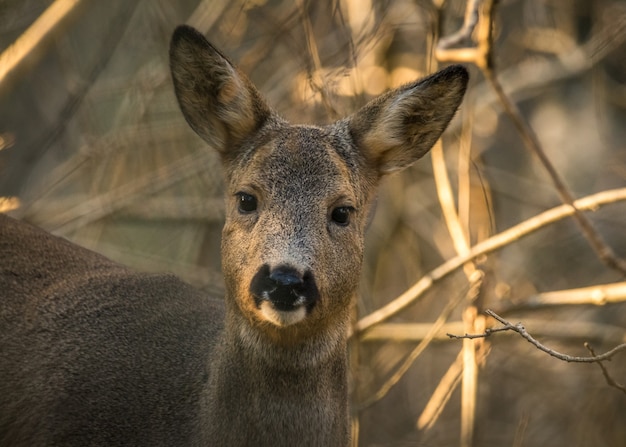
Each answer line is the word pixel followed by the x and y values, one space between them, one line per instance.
pixel 278 349
pixel 269 392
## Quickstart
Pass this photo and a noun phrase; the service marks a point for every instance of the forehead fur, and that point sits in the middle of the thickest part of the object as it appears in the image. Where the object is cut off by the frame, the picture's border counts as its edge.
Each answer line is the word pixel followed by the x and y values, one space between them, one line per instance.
pixel 303 158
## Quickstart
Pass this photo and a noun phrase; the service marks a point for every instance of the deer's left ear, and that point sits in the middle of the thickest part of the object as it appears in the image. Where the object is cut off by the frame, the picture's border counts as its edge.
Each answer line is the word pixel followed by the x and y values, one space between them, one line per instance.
pixel 400 126
pixel 217 100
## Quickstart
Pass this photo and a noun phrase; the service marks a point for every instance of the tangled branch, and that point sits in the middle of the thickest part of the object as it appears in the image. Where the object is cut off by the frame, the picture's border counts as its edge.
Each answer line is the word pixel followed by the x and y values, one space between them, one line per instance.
pixel 489 245
pixel 520 329
pixel 605 372
pixel 482 15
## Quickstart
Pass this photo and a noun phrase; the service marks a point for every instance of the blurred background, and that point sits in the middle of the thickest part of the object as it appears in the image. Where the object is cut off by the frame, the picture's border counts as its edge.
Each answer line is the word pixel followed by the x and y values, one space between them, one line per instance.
pixel 94 148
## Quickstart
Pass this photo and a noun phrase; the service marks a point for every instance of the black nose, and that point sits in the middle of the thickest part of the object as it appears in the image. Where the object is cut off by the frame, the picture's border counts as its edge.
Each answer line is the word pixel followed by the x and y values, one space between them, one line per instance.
pixel 285 287
pixel 285 276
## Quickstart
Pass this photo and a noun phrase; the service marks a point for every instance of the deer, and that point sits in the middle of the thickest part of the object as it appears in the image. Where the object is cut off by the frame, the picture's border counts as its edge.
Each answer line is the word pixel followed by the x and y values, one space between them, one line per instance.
pixel 93 353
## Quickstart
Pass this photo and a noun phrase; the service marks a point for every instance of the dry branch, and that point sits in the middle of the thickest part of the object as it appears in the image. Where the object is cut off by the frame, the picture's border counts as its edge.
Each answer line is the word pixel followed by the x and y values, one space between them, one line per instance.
pixel 521 330
pixel 565 330
pixel 598 295
pixel 446 201
pixel 417 351
pixel 461 244
pixel 495 242
pixel 35 35
pixel 440 397
pixel 482 56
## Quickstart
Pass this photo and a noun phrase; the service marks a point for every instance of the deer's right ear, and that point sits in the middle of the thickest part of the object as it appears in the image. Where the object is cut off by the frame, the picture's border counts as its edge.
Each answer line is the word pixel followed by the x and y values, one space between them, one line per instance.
pixel 220 104
pixel 400 126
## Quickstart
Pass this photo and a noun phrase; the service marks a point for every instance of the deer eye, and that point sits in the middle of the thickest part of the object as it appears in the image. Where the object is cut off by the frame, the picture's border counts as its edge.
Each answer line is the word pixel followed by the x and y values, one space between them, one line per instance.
pixel 246 203
pixel 341 215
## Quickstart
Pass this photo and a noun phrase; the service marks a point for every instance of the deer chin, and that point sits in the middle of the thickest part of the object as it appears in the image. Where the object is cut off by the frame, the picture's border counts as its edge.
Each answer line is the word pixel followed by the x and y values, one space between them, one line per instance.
pixel 282 318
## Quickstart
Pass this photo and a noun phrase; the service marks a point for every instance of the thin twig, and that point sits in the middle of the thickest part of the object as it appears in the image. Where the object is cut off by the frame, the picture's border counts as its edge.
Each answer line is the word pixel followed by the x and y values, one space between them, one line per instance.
pixel 100 206
pixel 444 390
pixel 441 395
pixel 520 432
pixel 465 32
pixel 521 330
pixel 605 372
pixel 316 61
pixel 417 351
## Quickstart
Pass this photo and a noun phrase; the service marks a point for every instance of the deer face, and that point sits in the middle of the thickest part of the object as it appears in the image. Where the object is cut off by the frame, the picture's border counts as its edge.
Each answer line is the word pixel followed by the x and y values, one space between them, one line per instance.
pixel 293 240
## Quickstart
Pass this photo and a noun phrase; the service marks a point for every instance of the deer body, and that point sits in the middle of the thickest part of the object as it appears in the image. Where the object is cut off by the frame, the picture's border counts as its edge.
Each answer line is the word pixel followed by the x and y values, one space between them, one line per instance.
pixel 82 365
pixel 93 353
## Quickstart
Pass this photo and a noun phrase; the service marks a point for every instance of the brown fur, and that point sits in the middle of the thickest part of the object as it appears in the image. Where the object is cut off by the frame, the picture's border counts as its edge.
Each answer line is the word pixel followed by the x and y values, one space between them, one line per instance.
pixel 92 353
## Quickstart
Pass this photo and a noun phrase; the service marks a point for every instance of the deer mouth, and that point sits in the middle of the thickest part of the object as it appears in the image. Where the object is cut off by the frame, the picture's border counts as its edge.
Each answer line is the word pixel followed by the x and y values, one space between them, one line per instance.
pixel 280 317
